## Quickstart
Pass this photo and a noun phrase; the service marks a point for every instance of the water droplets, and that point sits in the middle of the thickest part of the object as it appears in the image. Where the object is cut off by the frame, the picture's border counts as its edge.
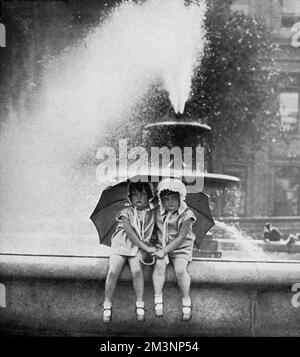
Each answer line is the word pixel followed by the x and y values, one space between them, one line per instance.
pixel 88 88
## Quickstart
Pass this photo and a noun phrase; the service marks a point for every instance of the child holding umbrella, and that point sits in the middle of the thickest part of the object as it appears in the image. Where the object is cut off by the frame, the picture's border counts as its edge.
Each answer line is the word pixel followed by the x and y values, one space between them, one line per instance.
pixel 174 220
pixel 128 243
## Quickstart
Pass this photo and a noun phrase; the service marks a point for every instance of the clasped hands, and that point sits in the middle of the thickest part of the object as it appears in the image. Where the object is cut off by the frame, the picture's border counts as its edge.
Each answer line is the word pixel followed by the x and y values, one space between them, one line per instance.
pixel 157 252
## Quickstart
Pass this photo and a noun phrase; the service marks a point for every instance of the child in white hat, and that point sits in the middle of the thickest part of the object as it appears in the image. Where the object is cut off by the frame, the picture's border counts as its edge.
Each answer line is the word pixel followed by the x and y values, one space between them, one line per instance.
pixel 174 220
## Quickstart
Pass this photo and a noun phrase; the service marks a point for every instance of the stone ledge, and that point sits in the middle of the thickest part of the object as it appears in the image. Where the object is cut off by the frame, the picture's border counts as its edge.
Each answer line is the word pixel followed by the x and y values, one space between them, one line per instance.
pixel 62 296
pixel 201 270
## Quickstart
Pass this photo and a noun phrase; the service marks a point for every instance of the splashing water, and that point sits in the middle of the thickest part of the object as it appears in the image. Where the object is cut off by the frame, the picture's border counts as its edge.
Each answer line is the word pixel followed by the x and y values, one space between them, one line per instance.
pixel 82 92
pixel 244 245
pixel 186 50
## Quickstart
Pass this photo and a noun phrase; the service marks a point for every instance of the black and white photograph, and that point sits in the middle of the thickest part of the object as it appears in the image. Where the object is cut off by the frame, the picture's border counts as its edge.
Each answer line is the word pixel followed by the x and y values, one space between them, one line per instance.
pixel 149 171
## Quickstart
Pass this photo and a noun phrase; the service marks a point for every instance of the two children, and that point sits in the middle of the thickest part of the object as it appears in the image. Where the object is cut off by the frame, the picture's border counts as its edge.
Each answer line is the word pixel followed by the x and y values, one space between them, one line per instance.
pixel 131 240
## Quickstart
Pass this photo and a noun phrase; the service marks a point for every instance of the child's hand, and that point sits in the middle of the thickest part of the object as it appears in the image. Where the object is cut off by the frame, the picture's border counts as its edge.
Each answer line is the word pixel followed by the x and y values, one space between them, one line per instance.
pixel 151 249
pixel 159 254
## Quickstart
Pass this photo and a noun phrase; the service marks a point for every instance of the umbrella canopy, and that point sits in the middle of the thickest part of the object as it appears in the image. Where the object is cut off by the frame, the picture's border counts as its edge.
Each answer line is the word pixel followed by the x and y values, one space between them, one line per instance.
pixel 199 204
pixel 112 200
pixel 115 197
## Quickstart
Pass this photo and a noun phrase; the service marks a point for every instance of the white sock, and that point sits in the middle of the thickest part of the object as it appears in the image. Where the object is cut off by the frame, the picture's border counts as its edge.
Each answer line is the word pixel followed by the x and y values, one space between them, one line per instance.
pixel 158 298
pixel 186 301
pixel 107 304
pixel 140 304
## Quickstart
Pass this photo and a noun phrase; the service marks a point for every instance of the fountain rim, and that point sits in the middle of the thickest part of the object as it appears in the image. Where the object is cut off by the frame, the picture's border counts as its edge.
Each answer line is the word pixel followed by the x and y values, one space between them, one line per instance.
pixel 171 123
pixel 160 172
pixel 222 177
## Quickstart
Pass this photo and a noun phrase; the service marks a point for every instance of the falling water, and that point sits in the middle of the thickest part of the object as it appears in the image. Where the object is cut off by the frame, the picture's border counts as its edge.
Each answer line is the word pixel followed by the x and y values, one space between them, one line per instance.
pixel 44 186
pixel 244 244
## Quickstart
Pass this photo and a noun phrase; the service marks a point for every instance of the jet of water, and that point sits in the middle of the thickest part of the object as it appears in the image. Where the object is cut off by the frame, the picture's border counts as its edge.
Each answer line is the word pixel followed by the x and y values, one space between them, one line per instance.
pixel 246 249
pixel 83 91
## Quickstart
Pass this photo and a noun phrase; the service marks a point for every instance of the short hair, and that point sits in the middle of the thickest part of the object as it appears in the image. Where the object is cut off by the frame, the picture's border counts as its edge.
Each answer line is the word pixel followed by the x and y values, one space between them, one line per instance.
pixel 140 187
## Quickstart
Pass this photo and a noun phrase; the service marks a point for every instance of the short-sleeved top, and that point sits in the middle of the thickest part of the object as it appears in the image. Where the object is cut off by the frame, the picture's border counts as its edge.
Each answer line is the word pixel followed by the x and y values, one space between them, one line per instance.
pixel 141 221
pixel 173 225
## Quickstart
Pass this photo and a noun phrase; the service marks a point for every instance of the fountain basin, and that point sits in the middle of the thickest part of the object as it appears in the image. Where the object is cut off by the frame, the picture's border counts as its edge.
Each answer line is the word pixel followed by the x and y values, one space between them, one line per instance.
pixel 60 296
pixel 193 125
pixel 231 249
pixel 231 244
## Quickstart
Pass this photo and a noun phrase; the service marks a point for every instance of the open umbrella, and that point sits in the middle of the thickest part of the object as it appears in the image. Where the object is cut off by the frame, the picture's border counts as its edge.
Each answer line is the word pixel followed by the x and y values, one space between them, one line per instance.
pixel 115 197
pixel 112 200
pixel 199 204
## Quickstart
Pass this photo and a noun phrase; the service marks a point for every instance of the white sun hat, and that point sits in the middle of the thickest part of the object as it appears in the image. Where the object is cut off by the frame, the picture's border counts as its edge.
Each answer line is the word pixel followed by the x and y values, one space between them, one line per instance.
pixel 174 185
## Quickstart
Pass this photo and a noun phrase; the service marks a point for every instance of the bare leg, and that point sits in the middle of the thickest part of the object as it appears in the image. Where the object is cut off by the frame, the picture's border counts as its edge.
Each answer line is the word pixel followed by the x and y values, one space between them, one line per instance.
pixel 159 276
pixel 137 277
pixel 116 263
pixel 182 276
pixel 184 282
pixel 138 285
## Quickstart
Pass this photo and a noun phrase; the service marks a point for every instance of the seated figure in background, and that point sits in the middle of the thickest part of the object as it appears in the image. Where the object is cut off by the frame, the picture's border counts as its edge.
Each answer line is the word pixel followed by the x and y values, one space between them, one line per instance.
pixel 291 239
pixel 271 234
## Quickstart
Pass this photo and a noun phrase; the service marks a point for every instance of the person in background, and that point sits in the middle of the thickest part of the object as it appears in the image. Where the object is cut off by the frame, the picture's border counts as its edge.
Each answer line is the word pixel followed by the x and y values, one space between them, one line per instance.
pixel 291 239
pixel 271 234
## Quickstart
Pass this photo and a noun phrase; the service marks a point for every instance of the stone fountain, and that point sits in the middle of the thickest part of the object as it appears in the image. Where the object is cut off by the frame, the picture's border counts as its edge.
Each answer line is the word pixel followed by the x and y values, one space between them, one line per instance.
pixel 177 131
pixel 59 293
pixel 184 133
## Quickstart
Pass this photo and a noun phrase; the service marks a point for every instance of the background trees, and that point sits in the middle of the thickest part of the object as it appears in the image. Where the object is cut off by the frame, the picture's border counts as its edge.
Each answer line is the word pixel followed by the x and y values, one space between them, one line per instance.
pixel 234 89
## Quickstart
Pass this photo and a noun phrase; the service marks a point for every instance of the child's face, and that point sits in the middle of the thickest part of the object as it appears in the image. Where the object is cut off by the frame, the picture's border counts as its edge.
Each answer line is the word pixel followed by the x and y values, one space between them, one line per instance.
pixel 171 201
pixel 139 199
